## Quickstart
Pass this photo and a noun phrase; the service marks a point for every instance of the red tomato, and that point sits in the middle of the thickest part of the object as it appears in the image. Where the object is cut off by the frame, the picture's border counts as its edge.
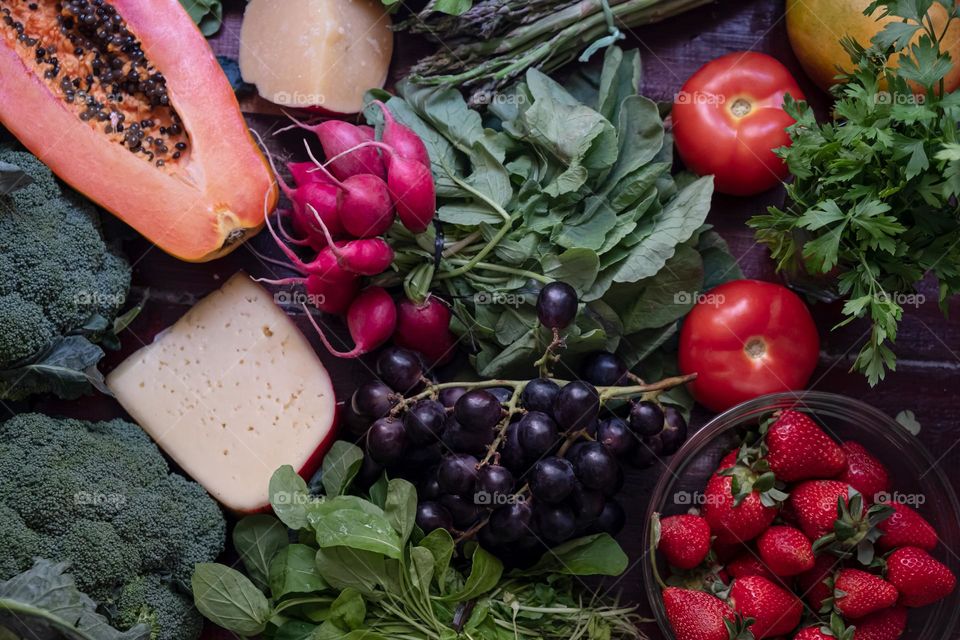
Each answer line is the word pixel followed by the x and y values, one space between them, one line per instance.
pixel 747 338
pixel 728 118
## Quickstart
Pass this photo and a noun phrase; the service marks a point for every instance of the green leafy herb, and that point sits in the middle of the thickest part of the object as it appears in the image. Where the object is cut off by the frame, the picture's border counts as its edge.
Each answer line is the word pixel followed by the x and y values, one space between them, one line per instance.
pixel 258 539
pixel 559 182
pixel 875 199
pixel 207 14
pixel 44 602
pixel 369 576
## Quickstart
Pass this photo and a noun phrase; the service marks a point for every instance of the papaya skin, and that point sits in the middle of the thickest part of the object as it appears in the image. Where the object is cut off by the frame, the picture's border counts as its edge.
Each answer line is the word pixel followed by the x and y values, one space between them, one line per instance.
pixel 198 209
pixel 816 26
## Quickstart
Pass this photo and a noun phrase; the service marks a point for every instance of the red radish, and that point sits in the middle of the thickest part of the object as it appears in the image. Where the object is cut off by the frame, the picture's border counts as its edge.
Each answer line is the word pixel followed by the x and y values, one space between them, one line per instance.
pixel 304 172
pixel 345 140
pixel 371 318
pixel 425 328
pixel 413 191
pixel 367 257
pixel 330 295
pixel 365 206
pixel 401 138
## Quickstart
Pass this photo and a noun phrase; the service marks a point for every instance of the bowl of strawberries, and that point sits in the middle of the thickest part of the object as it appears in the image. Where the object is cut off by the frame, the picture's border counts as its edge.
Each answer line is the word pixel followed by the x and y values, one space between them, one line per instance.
pixel 806 516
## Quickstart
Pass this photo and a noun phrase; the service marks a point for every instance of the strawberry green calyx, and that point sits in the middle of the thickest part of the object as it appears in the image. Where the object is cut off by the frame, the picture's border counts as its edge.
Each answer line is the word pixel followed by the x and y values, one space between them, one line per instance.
pixel 739 628
pixel 855 530
pixel 837 629
pixel 750 473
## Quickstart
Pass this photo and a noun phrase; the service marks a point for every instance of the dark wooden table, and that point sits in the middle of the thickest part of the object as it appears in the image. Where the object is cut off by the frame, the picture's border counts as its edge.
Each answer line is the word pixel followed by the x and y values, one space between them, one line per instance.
pixel 928 373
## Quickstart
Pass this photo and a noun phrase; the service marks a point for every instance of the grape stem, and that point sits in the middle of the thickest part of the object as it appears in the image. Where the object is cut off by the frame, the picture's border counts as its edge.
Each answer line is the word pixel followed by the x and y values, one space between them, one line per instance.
pixel 551 355
pixel 494 448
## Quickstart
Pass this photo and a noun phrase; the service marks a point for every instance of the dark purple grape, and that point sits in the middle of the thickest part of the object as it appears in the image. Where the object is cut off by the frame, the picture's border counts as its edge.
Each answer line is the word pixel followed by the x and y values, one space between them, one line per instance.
pixel 577 406
pixel 424 422
pixel 511 522
pixel 373 399
pixel 386 440
pixel 596 468
pixel 587 504
pixel 603 369
pixel 511 453
pixel 433 515
pixel 557 305
pixel 419 460
pixel 368 473
pixel 617 484
pixel 611 519
pixel 674 432
pixel 354 422
pixel 646 418
pixel 463 511
pixel 400 368
pixel 644 456
pixel 614 434
pixel 458 474
pixel 539 395
pixel 502 394
pixel 552 480
pixel 462 440
pixel 495 483
pixel 555 522
pixel 478 410
pixel 449 396
pixel 429 487
pixel 537 434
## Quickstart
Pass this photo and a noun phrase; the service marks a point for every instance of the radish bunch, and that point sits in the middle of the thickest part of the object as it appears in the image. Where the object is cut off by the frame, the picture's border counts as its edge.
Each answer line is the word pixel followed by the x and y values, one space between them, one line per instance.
pixel 339 210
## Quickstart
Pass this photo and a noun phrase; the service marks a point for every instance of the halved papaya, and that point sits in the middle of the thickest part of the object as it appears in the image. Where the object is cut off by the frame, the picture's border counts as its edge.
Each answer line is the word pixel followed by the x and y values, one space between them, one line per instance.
pixel 126 102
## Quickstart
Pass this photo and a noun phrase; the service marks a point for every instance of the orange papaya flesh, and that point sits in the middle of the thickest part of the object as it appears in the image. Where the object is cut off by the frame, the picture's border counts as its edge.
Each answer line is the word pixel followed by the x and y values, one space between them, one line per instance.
pixel 125 101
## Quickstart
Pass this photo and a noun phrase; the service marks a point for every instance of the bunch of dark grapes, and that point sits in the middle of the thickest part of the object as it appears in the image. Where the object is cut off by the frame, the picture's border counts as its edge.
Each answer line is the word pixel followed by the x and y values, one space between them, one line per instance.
pixel 522 466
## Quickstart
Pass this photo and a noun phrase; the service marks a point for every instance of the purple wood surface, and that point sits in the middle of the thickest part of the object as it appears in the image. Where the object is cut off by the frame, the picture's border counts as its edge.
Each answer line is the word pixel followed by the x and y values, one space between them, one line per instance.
pixel 928 372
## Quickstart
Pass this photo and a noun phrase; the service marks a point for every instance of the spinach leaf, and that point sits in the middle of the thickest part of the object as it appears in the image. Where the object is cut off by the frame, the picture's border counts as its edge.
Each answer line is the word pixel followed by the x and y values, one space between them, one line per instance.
pixel 294 570
pixel 344 567
pixel 348 610
pixel 358 530
pixel 340 466
pixel 229 599
pixel 485 572
pixel 289 497
pixel 401 507
pixel 258 539
pixel 597 554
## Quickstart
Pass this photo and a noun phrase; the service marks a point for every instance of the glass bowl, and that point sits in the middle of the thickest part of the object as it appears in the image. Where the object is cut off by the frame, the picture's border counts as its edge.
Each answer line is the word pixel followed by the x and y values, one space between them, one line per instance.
pixel 915 478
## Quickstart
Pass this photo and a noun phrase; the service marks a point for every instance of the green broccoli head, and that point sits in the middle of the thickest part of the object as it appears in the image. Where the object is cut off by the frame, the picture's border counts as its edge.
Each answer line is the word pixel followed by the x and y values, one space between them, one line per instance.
pixel 59 273
pixel 101 496
pixel 168 612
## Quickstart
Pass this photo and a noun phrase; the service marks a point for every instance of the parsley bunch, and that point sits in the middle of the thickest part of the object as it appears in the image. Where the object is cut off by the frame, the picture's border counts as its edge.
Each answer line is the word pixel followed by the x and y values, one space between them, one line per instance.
pixel 875 195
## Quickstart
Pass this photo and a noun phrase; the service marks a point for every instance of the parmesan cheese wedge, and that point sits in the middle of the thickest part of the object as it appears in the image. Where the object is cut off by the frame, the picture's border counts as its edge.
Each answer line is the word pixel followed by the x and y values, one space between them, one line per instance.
pixel 316 53
pixel 231 392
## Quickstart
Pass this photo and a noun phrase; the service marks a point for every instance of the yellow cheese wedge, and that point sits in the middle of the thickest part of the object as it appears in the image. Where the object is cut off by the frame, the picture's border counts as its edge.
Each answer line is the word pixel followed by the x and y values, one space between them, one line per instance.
pixel 316 53
pixel 231 392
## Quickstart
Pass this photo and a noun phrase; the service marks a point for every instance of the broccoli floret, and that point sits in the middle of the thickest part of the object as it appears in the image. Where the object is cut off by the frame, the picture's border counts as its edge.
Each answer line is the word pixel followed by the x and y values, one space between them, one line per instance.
pixel 101 497
pixel 59 274
pixel 169 613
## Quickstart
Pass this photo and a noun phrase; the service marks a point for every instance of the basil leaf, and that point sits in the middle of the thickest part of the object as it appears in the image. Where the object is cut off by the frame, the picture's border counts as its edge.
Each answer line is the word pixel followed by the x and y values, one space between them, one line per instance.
pixel 440 544
pixel 401 507
pixel 227 598
pixel 591 555
pixel 340 466
pixel 294 570
pixel 289 497
pixel 358 530
pixel 257 540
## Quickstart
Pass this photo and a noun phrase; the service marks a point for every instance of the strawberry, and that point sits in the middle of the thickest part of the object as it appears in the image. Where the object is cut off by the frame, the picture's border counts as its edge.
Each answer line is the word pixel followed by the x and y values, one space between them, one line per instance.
pixel 730 521
pixel 837 630
pixel 774 610
pixel 683 540
pixel 864 473
pixel 816 584
pixel 785 550
pixel 906 528
pixel 697 615
pixel 815 502
pixel 798 449
pixel 888 624
pixel 858 593
pixel 748 564
pixel 920 579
